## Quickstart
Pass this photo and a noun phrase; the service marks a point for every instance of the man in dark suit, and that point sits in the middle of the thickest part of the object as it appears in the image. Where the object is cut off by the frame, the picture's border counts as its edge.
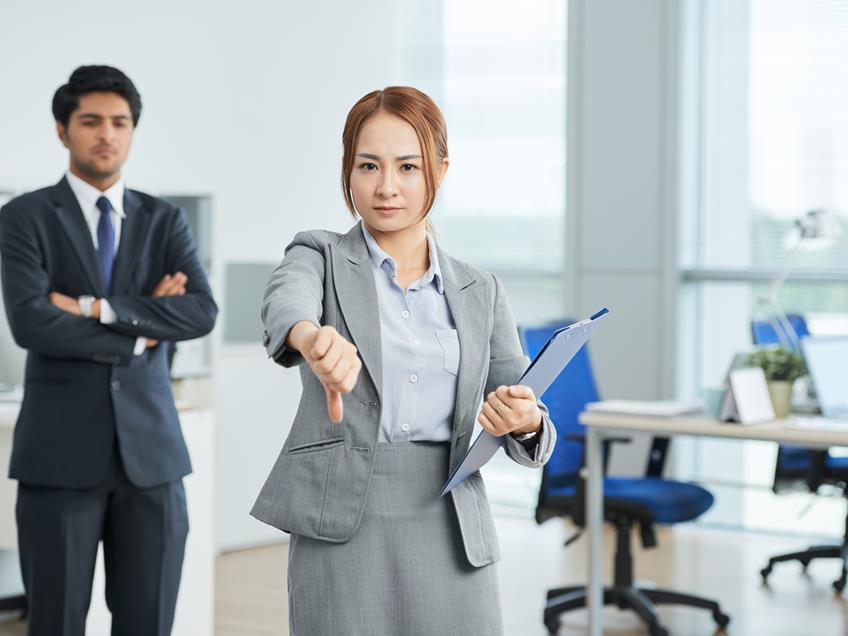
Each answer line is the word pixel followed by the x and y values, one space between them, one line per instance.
pixel 96 278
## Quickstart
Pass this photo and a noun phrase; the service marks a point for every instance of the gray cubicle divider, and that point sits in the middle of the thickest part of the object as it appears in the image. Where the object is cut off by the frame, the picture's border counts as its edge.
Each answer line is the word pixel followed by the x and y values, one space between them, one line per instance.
pixel 12 357
pixel 198 211
pixel 193 358
pixel 244 287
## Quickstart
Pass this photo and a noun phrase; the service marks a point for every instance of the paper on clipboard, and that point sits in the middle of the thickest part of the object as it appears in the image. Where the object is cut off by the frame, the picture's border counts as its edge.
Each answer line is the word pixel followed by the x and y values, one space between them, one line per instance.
pixel 558 351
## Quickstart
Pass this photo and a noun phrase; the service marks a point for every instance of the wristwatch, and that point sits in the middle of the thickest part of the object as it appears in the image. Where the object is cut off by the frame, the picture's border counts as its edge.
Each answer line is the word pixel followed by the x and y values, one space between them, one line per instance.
pixel 86 304
pixel 523 437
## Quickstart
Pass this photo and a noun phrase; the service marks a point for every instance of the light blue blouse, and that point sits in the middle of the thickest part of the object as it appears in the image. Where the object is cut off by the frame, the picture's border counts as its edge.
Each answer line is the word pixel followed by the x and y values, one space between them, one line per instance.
pixel 420 351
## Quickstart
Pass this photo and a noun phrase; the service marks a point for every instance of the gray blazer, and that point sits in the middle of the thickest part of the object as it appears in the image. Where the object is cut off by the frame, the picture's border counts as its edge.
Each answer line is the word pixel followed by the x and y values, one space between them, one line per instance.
pixel 319 483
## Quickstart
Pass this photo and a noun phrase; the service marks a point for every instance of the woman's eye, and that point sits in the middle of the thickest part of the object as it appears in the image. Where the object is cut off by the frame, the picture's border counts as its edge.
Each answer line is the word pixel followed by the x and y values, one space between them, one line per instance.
pixel 408 167
pixel 368 167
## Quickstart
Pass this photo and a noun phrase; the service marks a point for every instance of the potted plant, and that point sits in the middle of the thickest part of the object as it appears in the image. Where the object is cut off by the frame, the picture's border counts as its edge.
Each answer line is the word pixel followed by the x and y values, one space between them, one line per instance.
pixel 781 367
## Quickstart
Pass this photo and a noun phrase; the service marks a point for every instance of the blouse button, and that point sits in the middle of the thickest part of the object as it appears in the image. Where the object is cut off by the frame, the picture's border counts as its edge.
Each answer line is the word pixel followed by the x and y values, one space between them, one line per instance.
pixel 404 427
pixel 404 313
pixel 413 378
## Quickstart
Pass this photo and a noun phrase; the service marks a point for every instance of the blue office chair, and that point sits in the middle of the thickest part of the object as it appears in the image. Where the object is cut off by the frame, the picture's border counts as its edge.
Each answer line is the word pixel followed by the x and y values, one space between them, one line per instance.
pixel 628 502
pixel 801 465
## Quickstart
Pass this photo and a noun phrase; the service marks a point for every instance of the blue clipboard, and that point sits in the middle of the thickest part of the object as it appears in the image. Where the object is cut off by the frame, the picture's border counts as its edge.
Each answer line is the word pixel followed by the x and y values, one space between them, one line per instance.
pixel 552 358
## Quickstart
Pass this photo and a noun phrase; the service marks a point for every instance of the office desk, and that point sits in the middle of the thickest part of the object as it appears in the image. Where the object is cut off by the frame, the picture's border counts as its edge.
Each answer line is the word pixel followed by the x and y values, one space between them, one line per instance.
pixel 602 425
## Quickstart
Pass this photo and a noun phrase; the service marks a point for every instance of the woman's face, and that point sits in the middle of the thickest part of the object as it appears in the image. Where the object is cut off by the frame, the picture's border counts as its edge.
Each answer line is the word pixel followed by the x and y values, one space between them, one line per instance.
pixel 387 181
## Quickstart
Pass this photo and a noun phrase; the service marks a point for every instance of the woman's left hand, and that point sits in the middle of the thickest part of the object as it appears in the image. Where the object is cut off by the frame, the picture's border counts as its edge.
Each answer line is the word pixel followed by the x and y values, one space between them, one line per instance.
pixel 510 409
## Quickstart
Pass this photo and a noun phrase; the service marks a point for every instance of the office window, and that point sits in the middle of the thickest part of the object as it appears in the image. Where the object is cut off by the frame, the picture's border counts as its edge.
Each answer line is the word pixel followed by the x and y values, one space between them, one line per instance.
pixel 498 70
pixel 772 143
pixel 775 131
pixel 503 93
pixel 769 142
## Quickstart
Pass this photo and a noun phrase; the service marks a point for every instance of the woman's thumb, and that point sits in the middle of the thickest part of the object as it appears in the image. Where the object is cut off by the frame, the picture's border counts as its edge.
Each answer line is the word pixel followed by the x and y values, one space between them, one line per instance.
pixel 334 405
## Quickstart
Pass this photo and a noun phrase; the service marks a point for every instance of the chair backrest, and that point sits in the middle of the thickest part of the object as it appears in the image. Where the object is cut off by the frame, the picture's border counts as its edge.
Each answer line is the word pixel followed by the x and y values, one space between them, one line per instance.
pixel 763 331
pixel 793 463
pixel 566 399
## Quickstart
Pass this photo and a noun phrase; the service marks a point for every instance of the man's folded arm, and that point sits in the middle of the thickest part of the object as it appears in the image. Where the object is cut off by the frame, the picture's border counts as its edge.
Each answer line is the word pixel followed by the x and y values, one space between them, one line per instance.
pixel 170 318
pixel 36 324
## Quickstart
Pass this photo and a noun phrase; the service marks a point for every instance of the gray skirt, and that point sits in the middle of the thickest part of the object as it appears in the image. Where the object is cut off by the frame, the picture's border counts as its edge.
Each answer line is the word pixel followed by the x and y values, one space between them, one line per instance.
pixel 404 572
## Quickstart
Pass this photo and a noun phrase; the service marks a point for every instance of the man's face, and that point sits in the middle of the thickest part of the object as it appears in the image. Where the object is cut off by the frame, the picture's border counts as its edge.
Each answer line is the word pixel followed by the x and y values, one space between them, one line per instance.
pixel 98 135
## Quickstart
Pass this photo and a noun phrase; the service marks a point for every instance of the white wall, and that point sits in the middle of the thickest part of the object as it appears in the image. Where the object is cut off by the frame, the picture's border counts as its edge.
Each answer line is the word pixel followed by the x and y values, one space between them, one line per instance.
pixel 245 101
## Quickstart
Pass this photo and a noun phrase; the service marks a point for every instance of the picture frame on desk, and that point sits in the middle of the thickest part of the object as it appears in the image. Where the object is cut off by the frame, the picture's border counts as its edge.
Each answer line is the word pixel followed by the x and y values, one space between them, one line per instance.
pixel 747 400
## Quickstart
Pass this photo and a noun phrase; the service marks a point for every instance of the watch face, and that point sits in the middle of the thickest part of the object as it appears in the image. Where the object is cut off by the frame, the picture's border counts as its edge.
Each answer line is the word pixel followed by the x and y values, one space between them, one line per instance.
pixel 85 303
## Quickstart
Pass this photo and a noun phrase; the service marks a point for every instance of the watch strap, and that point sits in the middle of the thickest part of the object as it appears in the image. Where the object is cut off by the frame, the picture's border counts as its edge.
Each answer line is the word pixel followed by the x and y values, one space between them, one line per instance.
pixel 523 437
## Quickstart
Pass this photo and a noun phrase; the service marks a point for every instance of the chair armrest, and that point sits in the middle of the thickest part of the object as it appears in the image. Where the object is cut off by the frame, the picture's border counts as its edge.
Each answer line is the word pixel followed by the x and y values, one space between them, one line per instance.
pixel 656 457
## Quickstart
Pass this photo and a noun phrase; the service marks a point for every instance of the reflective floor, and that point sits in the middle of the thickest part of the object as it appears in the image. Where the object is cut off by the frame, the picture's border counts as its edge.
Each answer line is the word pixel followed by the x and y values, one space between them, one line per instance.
pixel 724 565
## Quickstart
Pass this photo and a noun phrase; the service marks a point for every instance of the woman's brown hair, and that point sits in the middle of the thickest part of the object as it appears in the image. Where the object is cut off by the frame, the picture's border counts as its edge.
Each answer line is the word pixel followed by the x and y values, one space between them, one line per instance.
pixel 416 109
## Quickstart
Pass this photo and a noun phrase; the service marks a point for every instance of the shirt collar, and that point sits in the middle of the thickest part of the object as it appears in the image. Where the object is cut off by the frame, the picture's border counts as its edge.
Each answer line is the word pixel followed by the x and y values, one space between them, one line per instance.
pixel 87 194
pixel 379 257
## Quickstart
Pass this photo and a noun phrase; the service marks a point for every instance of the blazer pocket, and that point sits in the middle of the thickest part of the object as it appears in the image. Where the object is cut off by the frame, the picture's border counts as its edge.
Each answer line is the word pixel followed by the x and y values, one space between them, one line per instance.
pixel 450 346
pixel 323 444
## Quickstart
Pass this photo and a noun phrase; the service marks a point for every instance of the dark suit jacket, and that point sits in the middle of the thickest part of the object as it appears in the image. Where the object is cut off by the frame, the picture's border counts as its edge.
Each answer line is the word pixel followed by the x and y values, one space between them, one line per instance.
pixel 83 384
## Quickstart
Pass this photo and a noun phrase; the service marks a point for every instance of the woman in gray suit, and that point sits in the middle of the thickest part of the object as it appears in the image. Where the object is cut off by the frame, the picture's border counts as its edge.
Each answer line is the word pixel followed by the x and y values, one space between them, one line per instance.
pixel 398 344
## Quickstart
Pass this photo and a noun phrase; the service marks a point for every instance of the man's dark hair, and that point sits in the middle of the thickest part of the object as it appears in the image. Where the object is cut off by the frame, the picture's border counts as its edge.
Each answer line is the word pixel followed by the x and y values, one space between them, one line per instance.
pixel 93 79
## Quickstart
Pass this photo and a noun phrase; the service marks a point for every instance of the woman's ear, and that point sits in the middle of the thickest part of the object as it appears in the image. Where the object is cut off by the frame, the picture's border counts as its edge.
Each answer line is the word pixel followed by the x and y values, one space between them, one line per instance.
pixel 443 170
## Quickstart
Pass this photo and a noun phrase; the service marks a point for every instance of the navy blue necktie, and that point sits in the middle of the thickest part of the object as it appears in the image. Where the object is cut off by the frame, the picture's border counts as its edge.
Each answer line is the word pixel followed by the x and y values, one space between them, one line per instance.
pixel 105 242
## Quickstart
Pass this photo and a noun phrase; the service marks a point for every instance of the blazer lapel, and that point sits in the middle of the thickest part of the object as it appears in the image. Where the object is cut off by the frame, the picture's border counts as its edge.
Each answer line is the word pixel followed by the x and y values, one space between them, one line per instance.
pixel 133 235
pixel 468 304
pixel 72 220
pixel 356 291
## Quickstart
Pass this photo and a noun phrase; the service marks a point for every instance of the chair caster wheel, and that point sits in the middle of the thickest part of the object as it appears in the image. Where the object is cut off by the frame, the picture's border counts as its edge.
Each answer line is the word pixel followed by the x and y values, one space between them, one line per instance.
pixel 722 620
pixel 765 573
pixel 659 631
pixel 839 586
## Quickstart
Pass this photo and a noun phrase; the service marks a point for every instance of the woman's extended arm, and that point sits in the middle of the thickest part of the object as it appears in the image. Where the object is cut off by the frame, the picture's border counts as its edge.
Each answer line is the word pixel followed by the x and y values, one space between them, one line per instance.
pixel 291 311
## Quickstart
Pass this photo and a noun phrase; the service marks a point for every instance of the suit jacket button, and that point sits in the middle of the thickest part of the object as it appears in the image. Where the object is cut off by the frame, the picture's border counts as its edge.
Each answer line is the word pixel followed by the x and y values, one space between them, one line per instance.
pixel 134 322
pixel 116 386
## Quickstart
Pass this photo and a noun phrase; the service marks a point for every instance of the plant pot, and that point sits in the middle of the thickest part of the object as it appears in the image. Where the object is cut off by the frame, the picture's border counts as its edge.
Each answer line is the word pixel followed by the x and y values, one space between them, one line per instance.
pixel 781 397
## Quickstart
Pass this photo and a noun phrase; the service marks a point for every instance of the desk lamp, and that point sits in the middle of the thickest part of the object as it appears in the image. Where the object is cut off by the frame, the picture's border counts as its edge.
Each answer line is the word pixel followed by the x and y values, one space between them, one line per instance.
pixel 817 229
